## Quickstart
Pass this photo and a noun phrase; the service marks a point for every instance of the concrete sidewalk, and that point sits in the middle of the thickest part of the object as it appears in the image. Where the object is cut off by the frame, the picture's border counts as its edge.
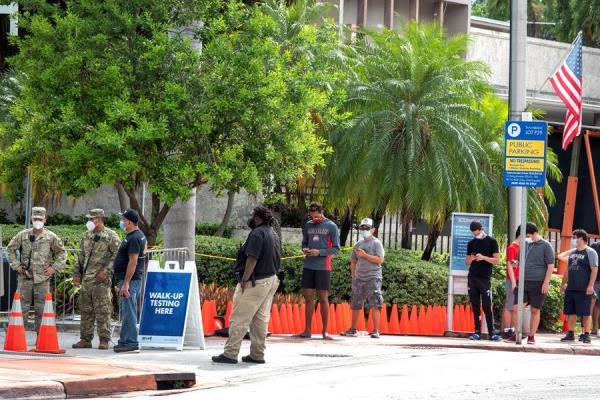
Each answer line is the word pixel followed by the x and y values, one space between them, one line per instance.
pixel 92 372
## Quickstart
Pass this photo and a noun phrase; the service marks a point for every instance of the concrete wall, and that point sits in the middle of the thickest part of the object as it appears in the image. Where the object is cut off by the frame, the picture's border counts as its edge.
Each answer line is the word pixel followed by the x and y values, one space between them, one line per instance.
pixel 209 207
pixel 542 58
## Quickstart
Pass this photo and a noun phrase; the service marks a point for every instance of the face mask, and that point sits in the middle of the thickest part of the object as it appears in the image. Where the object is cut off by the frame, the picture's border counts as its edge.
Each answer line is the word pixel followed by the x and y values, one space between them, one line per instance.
pixel 574 242
pixel 317 220
pixel 90 226
pixel 365 234
pixel 480 236
pixel 251 223
pixel 528 240
pixel 122 225
pixel 37 225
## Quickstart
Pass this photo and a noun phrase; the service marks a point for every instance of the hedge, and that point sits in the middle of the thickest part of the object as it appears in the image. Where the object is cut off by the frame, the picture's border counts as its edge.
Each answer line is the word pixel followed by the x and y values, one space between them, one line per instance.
pixel 406 278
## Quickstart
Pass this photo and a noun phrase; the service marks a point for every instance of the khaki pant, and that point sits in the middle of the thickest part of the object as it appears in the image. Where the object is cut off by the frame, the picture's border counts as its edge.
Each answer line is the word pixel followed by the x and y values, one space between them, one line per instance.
pixel 35 292
pixel 251 309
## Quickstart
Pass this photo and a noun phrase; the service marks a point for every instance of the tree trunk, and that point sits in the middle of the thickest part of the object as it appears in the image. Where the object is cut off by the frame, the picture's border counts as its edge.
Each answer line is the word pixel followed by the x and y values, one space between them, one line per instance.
pixel 377 216
pixel 346 226
pixel 151 226
pixel 230 199
pixel 406 220
pixel 432 237
pixel 122 195
pixel 180 226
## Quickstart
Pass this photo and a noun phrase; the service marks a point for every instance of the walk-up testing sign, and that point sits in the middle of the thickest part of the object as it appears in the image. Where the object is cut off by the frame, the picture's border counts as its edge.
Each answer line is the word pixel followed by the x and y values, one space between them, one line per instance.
pixel 171 307
pixel 460 236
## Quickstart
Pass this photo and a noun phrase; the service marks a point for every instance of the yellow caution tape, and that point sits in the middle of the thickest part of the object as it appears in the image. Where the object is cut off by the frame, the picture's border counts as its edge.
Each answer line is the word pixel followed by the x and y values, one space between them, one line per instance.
pixel 217 257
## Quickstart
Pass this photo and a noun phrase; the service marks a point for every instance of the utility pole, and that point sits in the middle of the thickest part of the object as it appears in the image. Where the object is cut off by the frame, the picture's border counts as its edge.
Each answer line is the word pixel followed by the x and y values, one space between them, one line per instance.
pixel 517 101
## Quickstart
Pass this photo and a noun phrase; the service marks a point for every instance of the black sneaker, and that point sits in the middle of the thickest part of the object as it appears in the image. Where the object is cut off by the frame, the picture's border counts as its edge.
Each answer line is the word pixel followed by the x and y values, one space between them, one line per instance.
pixel 581 337
pixel 585 338
pixel 126 349
pixel 352 332
pixel 248 359
pixel 569 337
pixel 221 359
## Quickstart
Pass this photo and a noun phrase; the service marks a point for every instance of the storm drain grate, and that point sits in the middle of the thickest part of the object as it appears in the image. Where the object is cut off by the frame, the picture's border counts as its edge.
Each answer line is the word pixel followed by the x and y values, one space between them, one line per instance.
pixel 327 355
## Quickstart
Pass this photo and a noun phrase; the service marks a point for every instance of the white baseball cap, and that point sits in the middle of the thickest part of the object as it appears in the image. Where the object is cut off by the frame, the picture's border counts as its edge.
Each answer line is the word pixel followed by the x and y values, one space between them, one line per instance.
pixel 366 222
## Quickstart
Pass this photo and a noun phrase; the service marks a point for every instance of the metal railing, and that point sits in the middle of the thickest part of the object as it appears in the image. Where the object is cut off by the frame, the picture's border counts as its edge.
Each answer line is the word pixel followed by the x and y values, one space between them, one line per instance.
pixel 65 295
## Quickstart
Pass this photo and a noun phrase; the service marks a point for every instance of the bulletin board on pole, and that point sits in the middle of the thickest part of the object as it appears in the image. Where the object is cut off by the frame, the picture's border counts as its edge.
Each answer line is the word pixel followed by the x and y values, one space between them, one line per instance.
pixel 460 236
pixel 170 316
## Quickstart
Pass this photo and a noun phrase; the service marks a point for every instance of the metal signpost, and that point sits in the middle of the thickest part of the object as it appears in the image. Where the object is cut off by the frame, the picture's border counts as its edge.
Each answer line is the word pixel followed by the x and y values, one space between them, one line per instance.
pixel 525 167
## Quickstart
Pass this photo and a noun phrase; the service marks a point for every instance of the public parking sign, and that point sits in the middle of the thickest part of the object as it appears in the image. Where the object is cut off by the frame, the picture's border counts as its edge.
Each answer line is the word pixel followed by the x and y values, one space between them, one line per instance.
pixel 525 153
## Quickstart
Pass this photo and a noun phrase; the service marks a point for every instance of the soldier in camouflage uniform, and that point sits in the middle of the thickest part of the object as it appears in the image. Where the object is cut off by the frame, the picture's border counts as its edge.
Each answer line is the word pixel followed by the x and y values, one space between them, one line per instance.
pixel 93 273
pixel 35 254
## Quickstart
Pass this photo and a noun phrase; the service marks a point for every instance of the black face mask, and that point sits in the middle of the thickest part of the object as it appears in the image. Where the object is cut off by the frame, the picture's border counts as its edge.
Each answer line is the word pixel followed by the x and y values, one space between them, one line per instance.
pixel 251 223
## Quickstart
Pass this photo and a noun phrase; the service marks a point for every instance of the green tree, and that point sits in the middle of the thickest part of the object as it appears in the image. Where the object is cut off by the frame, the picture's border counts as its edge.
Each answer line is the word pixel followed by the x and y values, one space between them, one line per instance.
pixel 112 95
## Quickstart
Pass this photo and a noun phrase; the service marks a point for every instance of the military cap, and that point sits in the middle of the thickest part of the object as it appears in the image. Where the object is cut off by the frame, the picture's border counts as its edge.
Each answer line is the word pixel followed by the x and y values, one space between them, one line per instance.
pixel 38 212
pixel 95 212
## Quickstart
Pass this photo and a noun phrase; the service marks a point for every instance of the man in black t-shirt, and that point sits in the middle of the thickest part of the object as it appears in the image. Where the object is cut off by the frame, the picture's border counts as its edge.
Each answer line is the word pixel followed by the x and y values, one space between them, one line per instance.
pixel 596 300
pixel 482 254
pixel 257 267
pixel 129 271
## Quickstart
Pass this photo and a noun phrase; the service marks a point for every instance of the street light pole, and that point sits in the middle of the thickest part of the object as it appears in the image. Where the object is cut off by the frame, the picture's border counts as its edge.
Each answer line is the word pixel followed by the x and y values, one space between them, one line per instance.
pixel 517 99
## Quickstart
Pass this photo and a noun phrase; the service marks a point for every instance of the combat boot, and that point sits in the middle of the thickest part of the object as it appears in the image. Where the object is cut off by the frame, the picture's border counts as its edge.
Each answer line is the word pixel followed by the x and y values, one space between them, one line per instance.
pixel 82 344
pixel 103 344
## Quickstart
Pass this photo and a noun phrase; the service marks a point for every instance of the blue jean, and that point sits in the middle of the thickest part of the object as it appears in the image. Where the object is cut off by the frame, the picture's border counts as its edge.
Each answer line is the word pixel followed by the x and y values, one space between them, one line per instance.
pixel 128 314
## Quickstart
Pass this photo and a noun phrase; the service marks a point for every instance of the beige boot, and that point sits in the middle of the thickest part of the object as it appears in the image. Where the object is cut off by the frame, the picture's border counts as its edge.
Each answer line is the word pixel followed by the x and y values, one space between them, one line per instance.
pixel 103 344
pixel 82 344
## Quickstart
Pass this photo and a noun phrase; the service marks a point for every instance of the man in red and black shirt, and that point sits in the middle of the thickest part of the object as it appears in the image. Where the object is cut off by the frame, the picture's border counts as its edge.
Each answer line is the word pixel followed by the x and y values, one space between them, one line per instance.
pixel 319 243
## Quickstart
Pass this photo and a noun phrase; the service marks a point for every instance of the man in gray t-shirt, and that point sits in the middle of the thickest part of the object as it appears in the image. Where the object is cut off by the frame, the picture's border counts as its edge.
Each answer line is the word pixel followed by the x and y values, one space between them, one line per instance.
pixel 539 266
pixel 367 257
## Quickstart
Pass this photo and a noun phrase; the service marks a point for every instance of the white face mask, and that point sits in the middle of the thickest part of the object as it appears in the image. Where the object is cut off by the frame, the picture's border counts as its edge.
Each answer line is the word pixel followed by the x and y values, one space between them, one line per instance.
pixel 365 234
pixel 528 240
pixel 37 225
pixel 90 226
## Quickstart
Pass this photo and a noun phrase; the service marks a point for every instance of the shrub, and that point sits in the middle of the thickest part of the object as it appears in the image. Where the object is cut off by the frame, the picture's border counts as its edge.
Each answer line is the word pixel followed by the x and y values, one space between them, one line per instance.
pixel 211 229
pixel 406 278
pixel 4 217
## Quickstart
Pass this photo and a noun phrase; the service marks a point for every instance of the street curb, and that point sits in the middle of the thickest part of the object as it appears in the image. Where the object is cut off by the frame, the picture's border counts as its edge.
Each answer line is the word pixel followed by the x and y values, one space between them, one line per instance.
pixel 583 351
pixel 68 388
pixel 33 390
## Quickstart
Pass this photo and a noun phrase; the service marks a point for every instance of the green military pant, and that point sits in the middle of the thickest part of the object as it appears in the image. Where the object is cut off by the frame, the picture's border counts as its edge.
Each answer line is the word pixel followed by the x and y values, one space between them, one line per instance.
pixel 95 302
pixel 35 292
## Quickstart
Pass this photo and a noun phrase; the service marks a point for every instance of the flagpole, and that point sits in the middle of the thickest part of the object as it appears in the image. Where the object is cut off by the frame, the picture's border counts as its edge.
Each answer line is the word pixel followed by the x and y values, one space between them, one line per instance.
pixel 572 183
pixel 562 60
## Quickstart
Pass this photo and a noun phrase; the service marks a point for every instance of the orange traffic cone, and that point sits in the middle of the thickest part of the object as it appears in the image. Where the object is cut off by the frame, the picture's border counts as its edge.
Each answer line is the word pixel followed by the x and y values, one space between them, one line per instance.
pixel 404 320
pixel 47 341
pixel 347 314
pixel 332 323
pixel 339 318
pixel 208 319
pixel 394 324
pixel 383 320
pixel 297 318
pixel 316 317
pixel 290 318
pixel 422 325
pixel 228 313
pixel 15 333
pixel 285 328
pixel 303 319
pixel 444 318
pixel 276 321
pixel 565 327
pixel 413 322
pixel 361 326
pixel 370 325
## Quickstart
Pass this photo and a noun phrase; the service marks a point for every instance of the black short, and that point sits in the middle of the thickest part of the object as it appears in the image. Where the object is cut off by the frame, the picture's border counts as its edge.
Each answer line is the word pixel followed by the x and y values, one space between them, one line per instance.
pixel 577 303
pixel 316 279
pixel 532 294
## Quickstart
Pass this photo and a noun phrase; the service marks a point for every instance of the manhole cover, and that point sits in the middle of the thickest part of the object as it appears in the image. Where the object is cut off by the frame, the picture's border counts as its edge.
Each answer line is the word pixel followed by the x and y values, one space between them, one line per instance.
pixel 327 355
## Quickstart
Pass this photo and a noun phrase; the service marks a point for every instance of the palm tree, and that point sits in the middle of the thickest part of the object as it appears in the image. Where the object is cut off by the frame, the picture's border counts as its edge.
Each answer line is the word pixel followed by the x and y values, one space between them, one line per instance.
pixel 414 143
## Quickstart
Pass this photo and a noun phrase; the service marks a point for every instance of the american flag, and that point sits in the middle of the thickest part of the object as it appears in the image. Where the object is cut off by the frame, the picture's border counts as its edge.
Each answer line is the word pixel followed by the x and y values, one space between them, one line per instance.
pixel 567 82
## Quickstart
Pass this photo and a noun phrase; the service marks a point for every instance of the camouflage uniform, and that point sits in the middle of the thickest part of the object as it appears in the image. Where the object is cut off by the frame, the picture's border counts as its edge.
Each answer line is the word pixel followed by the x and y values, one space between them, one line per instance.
pixel 35 257
pixel 97 252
